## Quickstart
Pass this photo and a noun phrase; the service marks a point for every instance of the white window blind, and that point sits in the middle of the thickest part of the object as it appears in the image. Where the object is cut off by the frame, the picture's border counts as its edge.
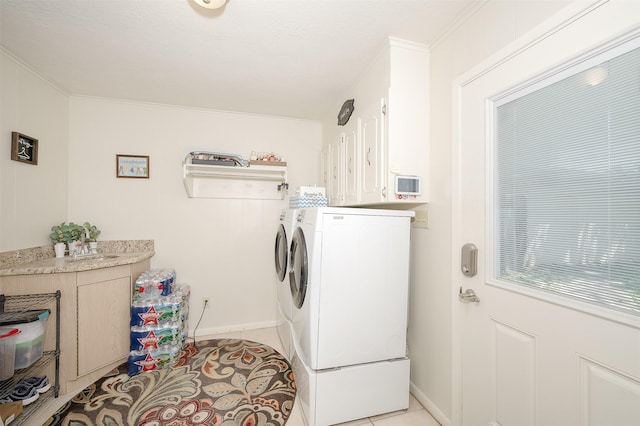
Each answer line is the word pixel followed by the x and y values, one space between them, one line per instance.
pixel 568 186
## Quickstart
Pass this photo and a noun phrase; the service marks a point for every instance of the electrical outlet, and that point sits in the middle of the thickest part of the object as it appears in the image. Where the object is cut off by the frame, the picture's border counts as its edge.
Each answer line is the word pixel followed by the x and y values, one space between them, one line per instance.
pixel 206 303
pixel 421 220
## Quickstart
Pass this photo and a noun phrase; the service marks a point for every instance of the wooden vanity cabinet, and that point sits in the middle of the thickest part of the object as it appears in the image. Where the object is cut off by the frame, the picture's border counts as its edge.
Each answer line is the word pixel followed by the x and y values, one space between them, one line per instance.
pixel 103 327
pixel 94 317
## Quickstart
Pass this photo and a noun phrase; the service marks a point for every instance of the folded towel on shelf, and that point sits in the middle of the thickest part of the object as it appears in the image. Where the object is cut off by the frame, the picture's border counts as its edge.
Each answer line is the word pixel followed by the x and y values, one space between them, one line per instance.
pixel 302 202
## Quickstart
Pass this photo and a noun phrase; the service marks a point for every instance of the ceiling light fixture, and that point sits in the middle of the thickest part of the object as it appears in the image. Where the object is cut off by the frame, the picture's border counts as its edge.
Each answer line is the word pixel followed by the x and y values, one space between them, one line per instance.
pixel 211 4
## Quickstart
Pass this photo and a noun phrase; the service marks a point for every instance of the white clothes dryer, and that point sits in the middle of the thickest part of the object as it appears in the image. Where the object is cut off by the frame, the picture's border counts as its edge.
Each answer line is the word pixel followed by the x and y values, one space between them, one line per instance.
pixel 349 279
pixel 286 226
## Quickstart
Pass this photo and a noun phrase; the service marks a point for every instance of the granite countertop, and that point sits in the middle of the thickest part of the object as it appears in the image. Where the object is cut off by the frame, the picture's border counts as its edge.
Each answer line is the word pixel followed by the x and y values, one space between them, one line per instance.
pixel 40 260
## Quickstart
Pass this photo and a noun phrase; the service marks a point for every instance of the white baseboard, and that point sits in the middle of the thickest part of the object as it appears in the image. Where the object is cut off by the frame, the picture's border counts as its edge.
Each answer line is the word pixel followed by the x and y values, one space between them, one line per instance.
pixel 429 406
pixel 231 329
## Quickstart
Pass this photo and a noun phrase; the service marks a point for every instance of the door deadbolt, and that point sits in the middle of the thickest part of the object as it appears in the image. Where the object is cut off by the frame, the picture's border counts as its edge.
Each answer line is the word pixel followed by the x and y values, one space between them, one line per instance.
pixel 469 260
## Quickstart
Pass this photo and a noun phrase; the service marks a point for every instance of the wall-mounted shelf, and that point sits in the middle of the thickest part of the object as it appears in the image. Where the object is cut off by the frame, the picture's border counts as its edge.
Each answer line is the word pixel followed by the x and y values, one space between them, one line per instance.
pixel 254 182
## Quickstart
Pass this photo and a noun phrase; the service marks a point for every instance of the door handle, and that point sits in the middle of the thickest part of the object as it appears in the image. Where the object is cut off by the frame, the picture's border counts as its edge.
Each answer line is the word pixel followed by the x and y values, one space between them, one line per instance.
pixel 469 296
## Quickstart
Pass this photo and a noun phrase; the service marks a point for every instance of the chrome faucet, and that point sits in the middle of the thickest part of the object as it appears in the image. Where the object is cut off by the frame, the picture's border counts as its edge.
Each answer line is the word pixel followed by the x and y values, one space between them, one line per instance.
pixel 85 236
pixel 84 249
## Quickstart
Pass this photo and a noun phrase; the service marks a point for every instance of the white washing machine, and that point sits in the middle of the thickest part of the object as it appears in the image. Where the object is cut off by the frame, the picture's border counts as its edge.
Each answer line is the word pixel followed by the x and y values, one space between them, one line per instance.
pixel 349 279
pixel 286 226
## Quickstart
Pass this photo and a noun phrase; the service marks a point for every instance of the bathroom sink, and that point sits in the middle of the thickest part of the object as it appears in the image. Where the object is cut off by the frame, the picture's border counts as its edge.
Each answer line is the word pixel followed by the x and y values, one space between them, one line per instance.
pixel 92 257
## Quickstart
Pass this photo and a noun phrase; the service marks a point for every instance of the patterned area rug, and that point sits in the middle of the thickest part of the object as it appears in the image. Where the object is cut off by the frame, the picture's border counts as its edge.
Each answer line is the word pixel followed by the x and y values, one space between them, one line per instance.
pixel 224 382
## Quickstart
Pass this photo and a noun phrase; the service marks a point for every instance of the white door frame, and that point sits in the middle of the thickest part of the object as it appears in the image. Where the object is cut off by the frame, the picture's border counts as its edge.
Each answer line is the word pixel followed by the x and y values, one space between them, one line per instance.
pixel 565 17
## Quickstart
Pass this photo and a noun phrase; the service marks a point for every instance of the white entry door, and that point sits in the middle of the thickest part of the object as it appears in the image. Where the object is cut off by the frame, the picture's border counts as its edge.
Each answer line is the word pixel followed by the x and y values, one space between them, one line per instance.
pixel 527 357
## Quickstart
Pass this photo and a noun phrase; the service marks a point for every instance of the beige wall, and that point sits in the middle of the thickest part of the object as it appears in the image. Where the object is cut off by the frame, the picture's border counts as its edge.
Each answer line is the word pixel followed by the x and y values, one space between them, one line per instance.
pixel 487 28
pixel 223 248
pixel 33 197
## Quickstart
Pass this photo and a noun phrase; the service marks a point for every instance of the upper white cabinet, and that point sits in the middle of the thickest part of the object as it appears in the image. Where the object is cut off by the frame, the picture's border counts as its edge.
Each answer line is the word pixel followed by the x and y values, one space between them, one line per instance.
pixel 335 172
pixel 370 162
pixel 387 134
pixel 349 140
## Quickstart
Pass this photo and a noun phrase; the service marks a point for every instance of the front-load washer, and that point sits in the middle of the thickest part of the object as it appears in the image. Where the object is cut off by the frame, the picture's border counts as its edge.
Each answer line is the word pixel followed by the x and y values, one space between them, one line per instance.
pixel 286 226
pixel 349 278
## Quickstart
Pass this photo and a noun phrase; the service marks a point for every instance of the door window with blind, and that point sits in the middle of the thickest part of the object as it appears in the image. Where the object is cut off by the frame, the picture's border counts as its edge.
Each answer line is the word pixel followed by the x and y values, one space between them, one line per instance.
pixel 567 182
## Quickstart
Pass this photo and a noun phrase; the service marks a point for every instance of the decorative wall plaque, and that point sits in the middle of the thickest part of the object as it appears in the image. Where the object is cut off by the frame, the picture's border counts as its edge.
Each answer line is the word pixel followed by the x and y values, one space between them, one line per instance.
pixel 24 148
pixel 345 112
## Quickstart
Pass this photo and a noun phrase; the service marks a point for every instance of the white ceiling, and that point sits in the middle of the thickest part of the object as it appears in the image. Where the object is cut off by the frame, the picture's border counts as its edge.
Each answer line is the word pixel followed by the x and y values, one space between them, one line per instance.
pixel 289 58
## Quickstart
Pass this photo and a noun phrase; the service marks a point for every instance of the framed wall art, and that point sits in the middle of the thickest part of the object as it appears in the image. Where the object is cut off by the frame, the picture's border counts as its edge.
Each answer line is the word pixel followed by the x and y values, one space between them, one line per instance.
pixel 24 148
pixel 132 166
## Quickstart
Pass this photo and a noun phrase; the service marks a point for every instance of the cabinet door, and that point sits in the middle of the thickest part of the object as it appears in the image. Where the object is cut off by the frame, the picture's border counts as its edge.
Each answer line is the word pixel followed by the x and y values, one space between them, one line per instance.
pixel 372 161
pixel 103 323
pixel 324 167
pixel 336 172
pixel 351 180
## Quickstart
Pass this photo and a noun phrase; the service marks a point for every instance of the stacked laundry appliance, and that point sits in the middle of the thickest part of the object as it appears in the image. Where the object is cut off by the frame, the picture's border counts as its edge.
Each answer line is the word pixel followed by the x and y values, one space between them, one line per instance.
pixel 159 321
pixel 305 196
pixel 286 225
pixel 349 281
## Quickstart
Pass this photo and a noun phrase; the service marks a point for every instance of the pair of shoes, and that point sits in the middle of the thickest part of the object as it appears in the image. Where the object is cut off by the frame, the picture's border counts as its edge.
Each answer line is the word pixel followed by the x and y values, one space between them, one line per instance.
pixel 40 383
pixel 28 390
pixel 22 392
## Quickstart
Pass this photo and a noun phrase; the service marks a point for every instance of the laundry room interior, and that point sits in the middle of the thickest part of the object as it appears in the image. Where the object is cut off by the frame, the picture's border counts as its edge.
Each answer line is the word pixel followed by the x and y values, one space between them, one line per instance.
pixel 92 83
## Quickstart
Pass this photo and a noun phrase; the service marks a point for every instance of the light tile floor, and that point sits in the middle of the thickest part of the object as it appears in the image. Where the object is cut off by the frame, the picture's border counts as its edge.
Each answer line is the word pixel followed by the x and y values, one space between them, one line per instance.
pixel 415 415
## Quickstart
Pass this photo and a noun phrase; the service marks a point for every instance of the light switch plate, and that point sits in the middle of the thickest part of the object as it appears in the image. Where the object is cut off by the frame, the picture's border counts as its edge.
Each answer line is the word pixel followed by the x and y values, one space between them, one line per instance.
pixel 421 220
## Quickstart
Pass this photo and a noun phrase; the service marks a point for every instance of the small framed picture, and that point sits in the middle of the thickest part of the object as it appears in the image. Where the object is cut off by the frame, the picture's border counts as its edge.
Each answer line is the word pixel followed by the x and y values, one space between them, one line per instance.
pixel 132 166
pixel 24 148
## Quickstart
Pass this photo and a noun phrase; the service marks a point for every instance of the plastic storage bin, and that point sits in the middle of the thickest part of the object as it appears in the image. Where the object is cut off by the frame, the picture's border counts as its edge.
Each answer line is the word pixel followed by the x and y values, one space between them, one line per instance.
pixel 30 341
pixel 7 351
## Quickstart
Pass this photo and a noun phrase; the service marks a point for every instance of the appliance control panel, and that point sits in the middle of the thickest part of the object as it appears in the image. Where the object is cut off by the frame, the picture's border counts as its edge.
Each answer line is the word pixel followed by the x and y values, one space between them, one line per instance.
pixel 408 185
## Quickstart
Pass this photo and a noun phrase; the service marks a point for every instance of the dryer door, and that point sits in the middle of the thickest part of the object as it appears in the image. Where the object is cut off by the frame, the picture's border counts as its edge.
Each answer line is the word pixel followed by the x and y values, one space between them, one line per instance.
pixel 281 253
pixel 299 273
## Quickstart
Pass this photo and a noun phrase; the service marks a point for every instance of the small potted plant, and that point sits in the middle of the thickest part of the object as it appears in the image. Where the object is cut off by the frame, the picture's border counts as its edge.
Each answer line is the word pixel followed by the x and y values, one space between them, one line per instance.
pixel 75 233
pixel 59 236
pixel 94 232
pixel 68 233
